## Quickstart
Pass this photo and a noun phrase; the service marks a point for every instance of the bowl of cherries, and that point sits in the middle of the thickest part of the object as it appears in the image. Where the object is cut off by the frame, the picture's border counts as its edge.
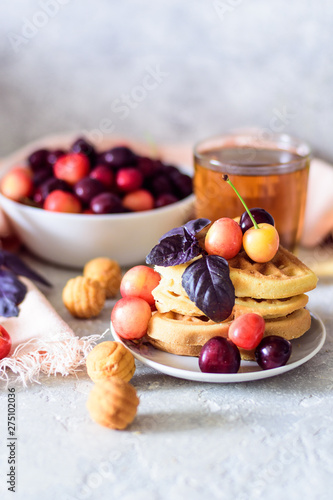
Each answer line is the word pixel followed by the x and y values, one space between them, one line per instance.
pixel 72 202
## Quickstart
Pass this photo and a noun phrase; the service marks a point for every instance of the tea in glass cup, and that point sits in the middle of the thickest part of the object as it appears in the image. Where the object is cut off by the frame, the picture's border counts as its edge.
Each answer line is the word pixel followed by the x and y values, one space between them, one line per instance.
pixel 269 172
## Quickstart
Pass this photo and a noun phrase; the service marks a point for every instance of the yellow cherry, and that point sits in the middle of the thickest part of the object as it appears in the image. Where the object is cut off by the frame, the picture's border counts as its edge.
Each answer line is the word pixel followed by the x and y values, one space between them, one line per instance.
pixel 262 243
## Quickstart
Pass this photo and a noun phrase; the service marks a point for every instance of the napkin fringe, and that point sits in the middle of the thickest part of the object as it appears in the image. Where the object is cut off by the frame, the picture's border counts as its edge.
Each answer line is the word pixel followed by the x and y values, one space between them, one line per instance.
pixel 64 356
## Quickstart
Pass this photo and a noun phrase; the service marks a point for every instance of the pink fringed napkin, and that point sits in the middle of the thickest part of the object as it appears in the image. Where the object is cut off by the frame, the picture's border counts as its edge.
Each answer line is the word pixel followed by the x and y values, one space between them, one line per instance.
pixel 42 342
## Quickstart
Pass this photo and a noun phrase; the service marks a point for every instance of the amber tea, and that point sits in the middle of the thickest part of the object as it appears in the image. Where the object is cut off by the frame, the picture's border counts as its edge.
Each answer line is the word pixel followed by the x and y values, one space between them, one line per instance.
pixel 271 178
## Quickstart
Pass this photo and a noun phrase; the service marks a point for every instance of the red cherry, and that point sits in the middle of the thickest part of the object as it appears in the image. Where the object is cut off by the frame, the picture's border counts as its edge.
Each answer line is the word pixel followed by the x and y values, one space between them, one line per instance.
pixel 130 317
pixel 5 342
pixel 103 174
pixel 17 184
pixel 71 167
pixel 224 238
pixel 139 200
pixel 61 201
pixel 129 179
pixel 140 281
pixel 247 331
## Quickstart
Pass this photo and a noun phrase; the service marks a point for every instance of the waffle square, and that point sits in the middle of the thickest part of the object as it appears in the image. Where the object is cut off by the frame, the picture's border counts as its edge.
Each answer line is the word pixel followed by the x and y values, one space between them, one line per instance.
pixel 284 276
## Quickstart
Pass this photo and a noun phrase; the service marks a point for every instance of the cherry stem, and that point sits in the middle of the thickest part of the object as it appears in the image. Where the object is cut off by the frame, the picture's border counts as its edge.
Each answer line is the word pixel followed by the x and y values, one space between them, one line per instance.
pixel 226 178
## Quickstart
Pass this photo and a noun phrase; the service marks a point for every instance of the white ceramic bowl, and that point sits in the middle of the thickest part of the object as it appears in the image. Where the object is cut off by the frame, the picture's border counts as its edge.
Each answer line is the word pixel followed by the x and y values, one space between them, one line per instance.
pixel 72 239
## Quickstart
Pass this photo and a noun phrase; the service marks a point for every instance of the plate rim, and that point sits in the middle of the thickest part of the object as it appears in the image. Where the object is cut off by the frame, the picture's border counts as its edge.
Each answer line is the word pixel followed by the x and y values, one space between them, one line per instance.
pixel 198 376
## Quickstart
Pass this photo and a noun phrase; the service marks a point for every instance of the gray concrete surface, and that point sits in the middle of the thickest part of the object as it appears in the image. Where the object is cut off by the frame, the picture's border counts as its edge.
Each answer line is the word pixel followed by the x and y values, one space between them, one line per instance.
pixel 268 439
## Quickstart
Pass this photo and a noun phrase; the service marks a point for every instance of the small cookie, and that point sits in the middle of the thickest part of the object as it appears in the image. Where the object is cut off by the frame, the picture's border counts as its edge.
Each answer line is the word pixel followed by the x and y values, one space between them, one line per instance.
pixel 113 403
pixel 83 297
pixel 107 272
pixel 110 359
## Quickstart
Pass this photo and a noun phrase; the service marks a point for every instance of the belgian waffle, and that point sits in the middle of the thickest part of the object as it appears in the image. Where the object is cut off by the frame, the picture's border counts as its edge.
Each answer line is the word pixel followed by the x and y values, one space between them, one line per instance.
pixel 275 290
pixel 282 284
pixel 167 300
pixel 269 308
pixel 283 276
pixel 185 335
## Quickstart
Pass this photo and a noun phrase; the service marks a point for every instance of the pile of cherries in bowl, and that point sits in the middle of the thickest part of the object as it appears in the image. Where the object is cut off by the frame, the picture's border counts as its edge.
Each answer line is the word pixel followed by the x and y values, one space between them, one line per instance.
pixel 83 180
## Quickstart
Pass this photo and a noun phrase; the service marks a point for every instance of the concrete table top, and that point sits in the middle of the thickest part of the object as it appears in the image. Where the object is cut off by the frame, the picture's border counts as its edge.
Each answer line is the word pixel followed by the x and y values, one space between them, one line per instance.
pixel 268 439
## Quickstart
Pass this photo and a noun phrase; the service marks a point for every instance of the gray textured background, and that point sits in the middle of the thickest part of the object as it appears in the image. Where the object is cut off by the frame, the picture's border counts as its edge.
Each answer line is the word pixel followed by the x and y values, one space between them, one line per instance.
pixel 71 64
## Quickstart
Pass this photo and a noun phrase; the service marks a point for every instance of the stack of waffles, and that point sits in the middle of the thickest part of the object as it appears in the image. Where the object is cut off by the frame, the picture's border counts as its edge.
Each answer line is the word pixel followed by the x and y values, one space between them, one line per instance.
pixel 276 290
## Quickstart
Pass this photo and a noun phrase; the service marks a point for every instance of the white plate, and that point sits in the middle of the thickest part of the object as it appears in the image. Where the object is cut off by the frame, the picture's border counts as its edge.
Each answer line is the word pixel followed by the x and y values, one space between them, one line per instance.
pixel 187 367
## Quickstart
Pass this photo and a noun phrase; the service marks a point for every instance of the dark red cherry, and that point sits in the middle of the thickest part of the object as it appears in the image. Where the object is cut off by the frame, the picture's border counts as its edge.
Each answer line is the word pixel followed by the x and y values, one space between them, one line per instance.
pixel 183 184
pixel 160 184
pixel 259 214
pixel 148 166
pixel 41 175
pixel 87 188
pixel 120 156
pixel 84 147
pixel 106 203
pixel 219 355
pixel 38 159
pixel 53 156
pixel 165 199
pixel 272 352
pixel 48 186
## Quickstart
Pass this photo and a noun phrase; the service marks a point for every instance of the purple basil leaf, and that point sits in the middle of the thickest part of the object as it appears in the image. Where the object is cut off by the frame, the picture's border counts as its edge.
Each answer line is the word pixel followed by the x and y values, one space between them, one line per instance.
pixel 192 227
pixel 174 250
pixel 208 284
pixel 179 245
pixel 15 264
pixel 8 309
pixel 12 293
pixel 195 226
pixel 12 287
pixel 173 232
